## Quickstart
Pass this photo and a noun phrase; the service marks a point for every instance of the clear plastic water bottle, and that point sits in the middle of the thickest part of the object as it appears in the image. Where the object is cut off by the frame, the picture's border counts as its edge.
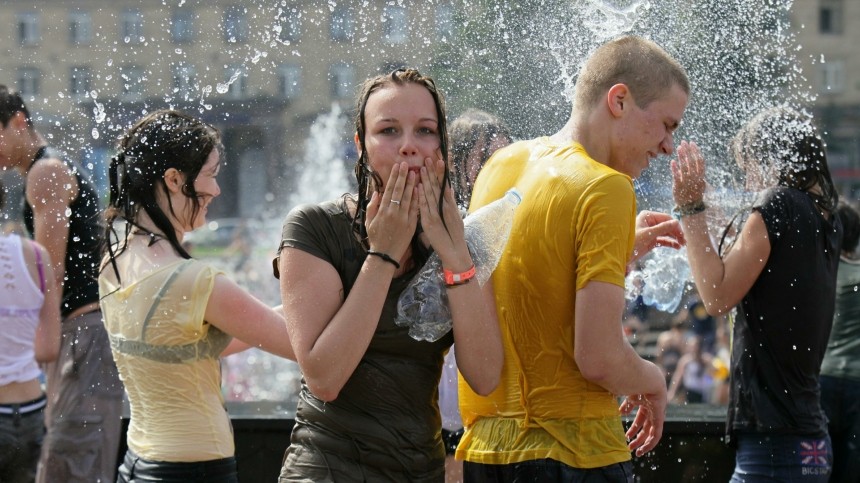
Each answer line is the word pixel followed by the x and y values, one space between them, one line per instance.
pixel 423 305
pixel 662 279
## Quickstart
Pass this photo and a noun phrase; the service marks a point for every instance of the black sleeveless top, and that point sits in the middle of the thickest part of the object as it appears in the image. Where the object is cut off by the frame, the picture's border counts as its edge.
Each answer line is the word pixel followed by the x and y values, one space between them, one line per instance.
pixel 84 243
pixel 783 322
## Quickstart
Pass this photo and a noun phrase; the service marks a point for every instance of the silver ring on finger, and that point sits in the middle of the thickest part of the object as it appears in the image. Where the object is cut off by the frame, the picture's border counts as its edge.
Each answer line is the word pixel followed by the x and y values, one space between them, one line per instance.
pixel 396 202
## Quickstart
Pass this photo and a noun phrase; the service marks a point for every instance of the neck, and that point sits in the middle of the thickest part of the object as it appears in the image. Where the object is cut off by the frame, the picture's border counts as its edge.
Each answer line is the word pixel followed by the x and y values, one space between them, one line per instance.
pixel 28 150
pixel 146 225
pixel 579 129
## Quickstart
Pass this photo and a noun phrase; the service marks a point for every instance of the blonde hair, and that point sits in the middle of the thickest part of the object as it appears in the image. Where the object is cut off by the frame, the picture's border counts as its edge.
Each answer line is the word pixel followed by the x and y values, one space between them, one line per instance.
pixel 640 64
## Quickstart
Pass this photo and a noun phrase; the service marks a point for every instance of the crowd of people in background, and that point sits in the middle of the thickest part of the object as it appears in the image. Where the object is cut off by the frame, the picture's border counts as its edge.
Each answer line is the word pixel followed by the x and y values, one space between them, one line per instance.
pixel 549 354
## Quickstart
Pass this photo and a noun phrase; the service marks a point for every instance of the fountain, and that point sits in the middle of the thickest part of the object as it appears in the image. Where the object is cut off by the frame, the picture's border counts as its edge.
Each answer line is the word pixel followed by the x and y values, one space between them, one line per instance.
pixel 254 375
pixel 516 59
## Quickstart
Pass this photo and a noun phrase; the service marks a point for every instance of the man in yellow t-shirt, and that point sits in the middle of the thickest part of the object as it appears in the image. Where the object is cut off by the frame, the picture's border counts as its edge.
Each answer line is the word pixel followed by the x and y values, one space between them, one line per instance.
pixel 560 283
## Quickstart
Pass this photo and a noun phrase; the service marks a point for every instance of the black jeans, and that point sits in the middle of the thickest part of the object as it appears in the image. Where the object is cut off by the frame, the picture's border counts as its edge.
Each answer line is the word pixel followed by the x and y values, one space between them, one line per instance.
pixel 135 469
pixel 546 470
pixel 21 436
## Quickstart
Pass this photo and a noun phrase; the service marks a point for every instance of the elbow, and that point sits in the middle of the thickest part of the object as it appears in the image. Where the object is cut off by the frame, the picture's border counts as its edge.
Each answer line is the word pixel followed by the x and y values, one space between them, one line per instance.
pixel 592 368
pixel 716 306
pixel 323 388
pixel 322 392
pixel 484 377
pixel 484 386
pixel 47 355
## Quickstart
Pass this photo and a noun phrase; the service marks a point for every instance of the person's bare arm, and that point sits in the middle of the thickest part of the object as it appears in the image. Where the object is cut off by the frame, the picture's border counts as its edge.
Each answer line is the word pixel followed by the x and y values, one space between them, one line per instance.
pixel 240 314
pixel 605 357
pixel 330 333
pixel 481 353
pixel 476 329
pixel 678 376
pixel 721 282
pixel 51 188
pixel 48 332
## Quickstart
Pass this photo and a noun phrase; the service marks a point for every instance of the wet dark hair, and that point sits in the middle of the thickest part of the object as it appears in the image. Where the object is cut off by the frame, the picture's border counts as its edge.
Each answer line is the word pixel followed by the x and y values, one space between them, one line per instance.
pixel 364 175
pixel 473 129
pixel 159 141
pixel 785 141
pixel 11 103
pixel 850 219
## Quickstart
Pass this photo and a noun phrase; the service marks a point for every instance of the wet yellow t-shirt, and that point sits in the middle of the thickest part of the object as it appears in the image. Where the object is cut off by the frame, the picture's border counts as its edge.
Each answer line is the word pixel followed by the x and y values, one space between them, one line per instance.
pixel 575 225
pixel 168 359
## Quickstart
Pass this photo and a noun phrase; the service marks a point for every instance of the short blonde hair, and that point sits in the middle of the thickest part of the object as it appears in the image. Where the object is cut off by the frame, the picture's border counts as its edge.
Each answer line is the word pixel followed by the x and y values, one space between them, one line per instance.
pixel 642 65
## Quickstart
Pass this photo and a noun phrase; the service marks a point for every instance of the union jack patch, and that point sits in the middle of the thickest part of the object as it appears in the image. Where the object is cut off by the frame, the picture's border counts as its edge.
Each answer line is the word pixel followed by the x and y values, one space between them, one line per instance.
pixel 813 453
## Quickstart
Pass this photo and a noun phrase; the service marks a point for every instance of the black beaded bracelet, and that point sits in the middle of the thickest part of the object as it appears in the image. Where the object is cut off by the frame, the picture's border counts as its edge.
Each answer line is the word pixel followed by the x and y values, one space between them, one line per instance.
pixel 679 212
pixel 385 257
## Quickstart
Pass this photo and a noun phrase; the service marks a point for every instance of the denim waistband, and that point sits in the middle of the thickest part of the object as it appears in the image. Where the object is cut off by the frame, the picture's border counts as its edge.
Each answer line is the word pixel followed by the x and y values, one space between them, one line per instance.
pixel 24 407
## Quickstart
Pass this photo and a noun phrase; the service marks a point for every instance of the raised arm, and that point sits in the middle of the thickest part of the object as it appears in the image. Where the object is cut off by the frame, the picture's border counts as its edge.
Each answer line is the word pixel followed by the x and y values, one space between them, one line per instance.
pixel 721 282
pixel 605 357
pixel 330 333
pixel 476 328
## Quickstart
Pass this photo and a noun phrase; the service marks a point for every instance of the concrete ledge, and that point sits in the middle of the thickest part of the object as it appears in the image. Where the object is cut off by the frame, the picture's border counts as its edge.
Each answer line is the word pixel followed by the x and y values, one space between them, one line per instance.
pixel 692 447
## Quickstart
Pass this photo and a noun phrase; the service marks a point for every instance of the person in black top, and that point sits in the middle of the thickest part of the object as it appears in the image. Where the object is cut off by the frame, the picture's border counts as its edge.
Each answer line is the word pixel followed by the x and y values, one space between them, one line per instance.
pixel 62 213
pixel 780 272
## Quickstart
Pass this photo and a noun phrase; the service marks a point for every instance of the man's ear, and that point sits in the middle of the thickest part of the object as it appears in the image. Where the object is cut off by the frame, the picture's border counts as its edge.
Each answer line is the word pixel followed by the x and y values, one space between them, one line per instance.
pixel 174 180
pixel 618 99
pixel 19 120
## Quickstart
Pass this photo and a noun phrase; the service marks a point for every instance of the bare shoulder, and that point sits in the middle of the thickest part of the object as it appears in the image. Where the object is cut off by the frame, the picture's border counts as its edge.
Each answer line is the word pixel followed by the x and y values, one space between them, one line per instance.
pixel 49 177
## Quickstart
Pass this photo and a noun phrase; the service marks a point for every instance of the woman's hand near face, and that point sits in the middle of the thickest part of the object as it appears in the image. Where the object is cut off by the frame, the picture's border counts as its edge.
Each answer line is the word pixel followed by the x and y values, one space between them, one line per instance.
pixel 393 216
pixel 688 175
pixel 446 237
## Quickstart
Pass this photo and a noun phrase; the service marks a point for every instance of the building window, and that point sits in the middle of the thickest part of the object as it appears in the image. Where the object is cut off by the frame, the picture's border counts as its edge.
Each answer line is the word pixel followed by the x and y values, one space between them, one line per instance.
pixel 342 26
pixel 28 28
pixel 131 27
pixel 235 79
pixel 290 24
pixel 444 22
pixel 235 24
pixel 289 81
pixel 395 28
pixel 29 81
pixel 832 77
pixel 830 17
pixel 80 79
pixel 342 77
pixel 182 27
pixel 184 80
pixel 132 79
pixel 80 28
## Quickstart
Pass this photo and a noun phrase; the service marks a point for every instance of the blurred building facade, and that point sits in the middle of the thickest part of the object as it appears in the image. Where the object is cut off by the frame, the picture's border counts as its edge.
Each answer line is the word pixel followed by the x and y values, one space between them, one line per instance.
pixel 263 71
pixel 827 31
pixel 259 71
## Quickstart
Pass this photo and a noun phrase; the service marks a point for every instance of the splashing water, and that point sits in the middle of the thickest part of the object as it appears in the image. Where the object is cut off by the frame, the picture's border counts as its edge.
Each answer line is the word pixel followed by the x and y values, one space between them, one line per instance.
pixel 741 57
pixel 324 175
pixel 256 375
